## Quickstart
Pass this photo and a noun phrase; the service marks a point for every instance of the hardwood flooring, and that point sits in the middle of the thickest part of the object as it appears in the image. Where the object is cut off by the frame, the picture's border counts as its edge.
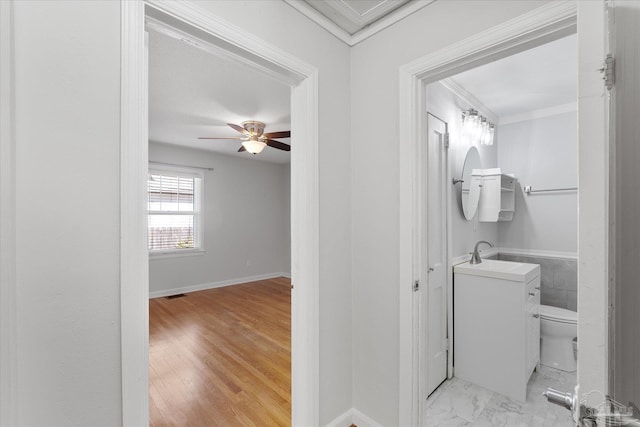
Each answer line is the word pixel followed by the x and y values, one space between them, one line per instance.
pixel 222 357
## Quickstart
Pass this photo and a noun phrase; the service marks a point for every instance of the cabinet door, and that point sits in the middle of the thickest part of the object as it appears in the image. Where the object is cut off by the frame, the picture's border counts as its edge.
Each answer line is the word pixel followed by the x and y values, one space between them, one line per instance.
pixel 532 325
pixel 489 206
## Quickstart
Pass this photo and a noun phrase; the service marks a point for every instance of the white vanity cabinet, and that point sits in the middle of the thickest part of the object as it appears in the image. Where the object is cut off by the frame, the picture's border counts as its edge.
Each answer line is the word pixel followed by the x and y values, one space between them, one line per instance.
pixel 496 325
pixel 497 198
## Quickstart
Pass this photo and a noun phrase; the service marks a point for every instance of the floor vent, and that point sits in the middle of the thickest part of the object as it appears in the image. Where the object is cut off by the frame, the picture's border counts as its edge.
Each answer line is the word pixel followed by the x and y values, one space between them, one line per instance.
pixel 176 296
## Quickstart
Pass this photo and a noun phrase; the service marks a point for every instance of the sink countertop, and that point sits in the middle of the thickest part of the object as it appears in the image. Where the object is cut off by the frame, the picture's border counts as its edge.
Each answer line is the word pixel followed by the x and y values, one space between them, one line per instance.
pixel 505 270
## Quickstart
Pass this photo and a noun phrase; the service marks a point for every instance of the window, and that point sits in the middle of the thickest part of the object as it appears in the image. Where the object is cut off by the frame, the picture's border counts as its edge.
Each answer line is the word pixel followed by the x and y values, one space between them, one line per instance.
pixel 174 205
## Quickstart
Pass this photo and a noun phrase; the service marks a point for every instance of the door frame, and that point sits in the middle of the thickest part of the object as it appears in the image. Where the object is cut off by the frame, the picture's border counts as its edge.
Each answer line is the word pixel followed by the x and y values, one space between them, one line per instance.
pixel 539 26
pixel 134 281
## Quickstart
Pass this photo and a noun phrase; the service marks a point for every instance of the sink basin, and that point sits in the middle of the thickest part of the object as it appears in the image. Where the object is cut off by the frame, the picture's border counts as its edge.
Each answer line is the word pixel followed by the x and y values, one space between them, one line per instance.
pixel 505 270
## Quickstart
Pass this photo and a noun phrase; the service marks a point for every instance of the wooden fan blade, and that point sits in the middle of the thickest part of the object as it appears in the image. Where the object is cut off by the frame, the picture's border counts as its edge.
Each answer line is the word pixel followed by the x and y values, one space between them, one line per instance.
pixel 238 128
pixel 228 137
pixel 241 149
pixel 281 134
pixel 277 144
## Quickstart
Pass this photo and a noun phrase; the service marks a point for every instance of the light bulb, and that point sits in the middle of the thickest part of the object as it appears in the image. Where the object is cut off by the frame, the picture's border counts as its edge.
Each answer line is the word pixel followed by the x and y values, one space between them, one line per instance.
pixel 480 129
pixel 253 145
pixel 487 138
pixel 470 120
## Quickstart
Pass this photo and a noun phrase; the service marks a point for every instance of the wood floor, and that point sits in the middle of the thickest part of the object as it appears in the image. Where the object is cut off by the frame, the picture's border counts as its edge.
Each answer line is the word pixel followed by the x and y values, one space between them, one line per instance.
pixel 222 357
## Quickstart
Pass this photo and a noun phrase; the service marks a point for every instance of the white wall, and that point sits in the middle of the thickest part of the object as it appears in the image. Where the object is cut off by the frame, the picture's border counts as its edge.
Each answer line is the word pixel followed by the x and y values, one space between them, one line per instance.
pixel 68 168
pixel 374 169
pixel 465 233
pixel 542 153
pixel 246 222
pixel 67 88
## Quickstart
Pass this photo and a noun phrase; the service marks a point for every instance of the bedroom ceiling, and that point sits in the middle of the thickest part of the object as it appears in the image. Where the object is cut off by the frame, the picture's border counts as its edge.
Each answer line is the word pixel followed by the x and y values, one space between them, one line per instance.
pixel 537 79
pixel 194 93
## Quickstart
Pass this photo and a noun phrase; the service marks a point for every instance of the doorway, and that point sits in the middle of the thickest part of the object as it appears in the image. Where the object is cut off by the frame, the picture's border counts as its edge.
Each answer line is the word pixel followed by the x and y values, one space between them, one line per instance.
pixel 534 144
pixel 304 198
pixel 547 23
pixel 219 237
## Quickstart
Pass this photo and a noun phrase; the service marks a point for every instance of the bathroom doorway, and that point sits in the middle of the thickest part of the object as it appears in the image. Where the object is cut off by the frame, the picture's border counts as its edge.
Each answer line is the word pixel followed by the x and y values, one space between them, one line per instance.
pixel 530 31
pixel 528 104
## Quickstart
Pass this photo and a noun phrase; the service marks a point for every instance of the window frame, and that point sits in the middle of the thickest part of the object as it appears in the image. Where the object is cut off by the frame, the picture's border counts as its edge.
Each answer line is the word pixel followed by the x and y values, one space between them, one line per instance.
pixel 197 213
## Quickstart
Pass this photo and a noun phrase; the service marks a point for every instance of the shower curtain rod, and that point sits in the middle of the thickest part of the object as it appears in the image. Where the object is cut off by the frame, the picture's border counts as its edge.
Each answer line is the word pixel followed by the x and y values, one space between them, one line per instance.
pixel 528 189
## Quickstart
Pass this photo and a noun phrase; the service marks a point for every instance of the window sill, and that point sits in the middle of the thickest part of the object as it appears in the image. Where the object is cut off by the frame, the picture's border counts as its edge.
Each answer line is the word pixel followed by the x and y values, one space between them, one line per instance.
pixel 175 254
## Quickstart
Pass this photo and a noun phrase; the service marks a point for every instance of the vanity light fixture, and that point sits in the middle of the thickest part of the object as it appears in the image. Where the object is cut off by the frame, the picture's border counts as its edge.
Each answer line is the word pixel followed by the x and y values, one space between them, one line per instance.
pixel 478 127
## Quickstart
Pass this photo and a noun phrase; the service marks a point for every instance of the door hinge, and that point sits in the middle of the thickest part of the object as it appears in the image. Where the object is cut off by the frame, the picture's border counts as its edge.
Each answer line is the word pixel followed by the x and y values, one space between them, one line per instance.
pixel 448 345
pixel 416 286
pixel 608 71
pixel 446 140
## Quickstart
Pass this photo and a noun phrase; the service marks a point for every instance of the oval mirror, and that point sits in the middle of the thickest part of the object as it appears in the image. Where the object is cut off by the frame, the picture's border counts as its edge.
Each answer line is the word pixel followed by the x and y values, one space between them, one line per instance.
pixel 471 183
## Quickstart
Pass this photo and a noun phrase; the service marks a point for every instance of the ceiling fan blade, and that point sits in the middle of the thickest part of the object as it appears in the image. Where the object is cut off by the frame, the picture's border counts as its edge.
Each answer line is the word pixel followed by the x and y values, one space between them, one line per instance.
pixel 238 128
pixel 277 144
pixel 241 149
pixel 227 137
pixel 281 134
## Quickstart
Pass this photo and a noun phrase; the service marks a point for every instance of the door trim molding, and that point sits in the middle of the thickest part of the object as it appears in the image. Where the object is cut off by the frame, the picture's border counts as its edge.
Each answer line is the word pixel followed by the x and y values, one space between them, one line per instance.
pixel 134 282
pixel 541 25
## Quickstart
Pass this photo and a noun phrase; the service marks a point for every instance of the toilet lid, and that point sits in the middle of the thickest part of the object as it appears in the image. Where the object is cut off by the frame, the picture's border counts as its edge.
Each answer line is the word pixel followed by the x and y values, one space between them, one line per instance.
pixel 558 313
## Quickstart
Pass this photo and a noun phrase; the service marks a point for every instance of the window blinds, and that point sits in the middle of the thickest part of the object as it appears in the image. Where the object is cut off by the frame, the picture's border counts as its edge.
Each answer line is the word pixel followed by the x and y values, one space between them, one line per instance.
pixel 173 210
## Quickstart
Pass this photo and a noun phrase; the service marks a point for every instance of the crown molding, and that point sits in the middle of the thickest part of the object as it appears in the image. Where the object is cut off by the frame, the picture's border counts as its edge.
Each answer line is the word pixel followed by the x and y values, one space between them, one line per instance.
pixel 367 31
pixel 469 98
pixel 570 107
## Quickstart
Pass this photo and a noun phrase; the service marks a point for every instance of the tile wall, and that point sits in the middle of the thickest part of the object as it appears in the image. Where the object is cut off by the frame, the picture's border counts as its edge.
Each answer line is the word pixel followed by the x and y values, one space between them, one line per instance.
pixel 559 279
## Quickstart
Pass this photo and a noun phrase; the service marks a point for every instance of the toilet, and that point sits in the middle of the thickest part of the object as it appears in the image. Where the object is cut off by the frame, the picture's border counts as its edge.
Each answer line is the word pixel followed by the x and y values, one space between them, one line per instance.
pixel 558 328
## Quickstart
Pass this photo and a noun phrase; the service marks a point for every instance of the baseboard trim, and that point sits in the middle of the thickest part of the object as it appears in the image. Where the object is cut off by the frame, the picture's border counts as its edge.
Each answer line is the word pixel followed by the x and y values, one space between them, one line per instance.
pixel 353 417
pixel 361 420
pixel 344 420
pixel 213 285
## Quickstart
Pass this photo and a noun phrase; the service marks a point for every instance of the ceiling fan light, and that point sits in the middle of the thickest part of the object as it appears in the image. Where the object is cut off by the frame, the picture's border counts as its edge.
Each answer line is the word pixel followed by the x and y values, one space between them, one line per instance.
pixel 254 146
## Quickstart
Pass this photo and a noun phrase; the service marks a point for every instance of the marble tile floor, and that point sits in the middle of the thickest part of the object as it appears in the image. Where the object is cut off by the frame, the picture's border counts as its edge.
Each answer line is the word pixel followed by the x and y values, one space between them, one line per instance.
pixel 460 403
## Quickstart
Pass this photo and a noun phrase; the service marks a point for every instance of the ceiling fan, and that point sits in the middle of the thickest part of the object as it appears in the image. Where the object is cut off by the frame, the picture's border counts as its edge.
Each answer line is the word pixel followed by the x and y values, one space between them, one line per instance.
pixel 254 139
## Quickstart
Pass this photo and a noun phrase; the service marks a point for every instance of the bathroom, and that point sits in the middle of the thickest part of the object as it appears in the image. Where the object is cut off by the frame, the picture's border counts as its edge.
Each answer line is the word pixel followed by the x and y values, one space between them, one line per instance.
pixel 530 98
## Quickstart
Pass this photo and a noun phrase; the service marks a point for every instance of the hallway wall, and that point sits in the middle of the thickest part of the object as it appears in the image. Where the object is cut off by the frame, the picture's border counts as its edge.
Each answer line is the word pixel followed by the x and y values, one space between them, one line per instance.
pixel 67 68
pixel 375 184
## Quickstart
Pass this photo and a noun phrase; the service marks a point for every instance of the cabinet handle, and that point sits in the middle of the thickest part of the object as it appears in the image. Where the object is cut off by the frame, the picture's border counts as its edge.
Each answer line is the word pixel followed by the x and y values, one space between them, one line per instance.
pixel 538 288
pixel 533 294
pixel 535 316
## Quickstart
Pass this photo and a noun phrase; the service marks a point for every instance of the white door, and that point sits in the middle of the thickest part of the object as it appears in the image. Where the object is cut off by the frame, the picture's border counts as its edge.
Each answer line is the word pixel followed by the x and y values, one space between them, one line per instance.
pixel 436 253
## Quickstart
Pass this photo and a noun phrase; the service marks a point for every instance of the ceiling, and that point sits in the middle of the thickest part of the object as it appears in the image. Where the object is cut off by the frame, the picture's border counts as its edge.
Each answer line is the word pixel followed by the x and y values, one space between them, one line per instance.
pixel 194 93
pixel 353 21
pixel 537 79
pixel 353 15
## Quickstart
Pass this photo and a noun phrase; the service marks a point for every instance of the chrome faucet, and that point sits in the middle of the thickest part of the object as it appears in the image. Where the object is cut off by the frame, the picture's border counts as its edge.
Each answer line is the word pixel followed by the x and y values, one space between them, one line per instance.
pixel 475 257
